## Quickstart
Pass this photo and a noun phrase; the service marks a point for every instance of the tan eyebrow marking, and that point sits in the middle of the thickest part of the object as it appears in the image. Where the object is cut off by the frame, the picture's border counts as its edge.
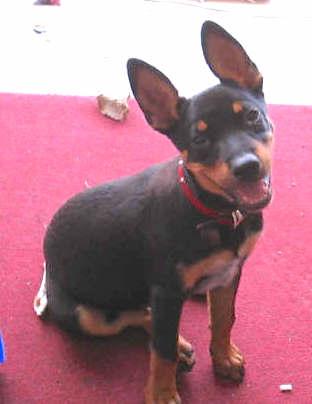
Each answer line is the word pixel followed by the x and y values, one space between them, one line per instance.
pixel 201 125
pixel 237 107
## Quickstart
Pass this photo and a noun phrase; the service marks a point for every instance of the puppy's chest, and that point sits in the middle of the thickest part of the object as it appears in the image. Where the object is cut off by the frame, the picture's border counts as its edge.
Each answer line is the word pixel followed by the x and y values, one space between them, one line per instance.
pixel 222 261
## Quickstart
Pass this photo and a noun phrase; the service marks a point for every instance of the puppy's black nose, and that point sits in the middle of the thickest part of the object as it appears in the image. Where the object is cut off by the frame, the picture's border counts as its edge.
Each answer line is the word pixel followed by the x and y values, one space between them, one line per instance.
pixel 246 167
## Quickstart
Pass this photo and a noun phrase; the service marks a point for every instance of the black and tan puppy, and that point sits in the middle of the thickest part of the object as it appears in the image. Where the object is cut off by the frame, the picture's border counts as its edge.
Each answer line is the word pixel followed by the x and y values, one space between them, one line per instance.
pixel 130 252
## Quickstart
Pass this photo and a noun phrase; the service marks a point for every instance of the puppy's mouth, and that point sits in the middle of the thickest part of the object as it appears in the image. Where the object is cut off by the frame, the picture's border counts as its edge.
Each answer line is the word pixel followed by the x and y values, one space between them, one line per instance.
pixel 247 196
pixel 253 196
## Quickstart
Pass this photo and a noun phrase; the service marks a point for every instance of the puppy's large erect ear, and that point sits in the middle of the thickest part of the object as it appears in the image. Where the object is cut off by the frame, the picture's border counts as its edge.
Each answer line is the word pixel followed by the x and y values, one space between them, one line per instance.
pixel 227 58
pixel 155 94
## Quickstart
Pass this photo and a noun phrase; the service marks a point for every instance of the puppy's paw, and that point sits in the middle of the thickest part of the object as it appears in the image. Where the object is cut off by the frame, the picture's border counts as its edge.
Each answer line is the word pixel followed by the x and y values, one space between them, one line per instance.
pixel 161 397
pixel 186 355
pixel 228 363
pixel 161 387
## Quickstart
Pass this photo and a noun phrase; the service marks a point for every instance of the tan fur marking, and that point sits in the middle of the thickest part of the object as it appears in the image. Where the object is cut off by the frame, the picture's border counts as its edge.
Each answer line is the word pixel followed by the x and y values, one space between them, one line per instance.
pixel 248 245
pixel 237 107
pixel 227 359
pixel 221 310
pixel 264 152
pixel 93 321
pixel 161 386
pixel 210 177
pixel 201 125
pixel 206 266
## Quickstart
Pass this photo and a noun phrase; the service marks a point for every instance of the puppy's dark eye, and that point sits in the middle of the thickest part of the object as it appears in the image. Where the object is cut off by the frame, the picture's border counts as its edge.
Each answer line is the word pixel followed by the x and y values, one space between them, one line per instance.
pixel 252 116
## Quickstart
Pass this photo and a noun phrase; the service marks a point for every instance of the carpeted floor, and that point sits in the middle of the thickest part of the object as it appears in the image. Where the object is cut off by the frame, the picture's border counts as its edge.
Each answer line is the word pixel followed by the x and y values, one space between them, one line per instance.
pixel 52 147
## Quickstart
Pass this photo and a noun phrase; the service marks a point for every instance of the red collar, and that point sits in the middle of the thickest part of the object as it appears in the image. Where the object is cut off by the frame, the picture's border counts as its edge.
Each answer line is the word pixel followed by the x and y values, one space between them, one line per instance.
pixel 232 221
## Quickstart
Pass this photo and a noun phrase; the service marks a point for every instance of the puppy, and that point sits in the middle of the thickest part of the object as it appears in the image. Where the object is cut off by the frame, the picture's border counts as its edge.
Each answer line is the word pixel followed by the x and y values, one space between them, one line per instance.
pixel 130 252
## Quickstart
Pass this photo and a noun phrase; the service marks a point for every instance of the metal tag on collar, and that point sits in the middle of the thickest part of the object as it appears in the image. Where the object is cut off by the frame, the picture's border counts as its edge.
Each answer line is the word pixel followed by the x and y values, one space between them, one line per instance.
pixel 238 217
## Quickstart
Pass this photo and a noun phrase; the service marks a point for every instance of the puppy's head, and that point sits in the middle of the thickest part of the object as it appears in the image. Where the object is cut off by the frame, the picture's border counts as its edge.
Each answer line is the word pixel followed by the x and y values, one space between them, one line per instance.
pixel 223 133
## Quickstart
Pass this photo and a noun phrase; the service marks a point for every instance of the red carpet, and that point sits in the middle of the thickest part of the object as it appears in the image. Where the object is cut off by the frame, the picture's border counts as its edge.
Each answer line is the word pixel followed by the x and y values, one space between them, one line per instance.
pixel 50 147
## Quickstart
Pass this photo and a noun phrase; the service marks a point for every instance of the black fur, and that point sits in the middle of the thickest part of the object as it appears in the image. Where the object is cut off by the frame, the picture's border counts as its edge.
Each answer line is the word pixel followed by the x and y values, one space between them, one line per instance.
pixel 121 245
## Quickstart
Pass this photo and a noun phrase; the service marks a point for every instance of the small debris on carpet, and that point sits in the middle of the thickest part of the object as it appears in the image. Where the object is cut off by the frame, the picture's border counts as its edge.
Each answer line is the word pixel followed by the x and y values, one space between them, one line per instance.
pixel 284 388
pixel 113 108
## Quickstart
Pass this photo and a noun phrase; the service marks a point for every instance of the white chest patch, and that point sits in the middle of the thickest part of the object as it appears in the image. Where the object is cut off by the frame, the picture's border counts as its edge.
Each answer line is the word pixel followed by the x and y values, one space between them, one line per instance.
pixel 220 277
pixel 217 270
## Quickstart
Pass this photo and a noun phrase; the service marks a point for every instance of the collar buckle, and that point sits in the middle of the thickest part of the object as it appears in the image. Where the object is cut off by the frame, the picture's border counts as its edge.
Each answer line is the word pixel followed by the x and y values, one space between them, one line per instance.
pixel 238 217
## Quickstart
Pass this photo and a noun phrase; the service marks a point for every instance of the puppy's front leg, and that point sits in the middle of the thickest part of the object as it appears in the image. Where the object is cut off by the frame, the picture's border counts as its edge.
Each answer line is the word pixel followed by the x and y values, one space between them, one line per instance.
pixel 166 310
pixel 227 360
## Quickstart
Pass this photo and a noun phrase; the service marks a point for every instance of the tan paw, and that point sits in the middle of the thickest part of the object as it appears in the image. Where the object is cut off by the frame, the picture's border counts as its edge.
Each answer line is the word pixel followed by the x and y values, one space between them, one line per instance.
pixel 161 397
pixel 161 386
pixel 228 363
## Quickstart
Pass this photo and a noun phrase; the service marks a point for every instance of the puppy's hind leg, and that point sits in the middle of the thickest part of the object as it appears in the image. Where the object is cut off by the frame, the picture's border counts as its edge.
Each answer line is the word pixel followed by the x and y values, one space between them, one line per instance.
pixel 95 322
pixel 40 303
pixel 76 317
